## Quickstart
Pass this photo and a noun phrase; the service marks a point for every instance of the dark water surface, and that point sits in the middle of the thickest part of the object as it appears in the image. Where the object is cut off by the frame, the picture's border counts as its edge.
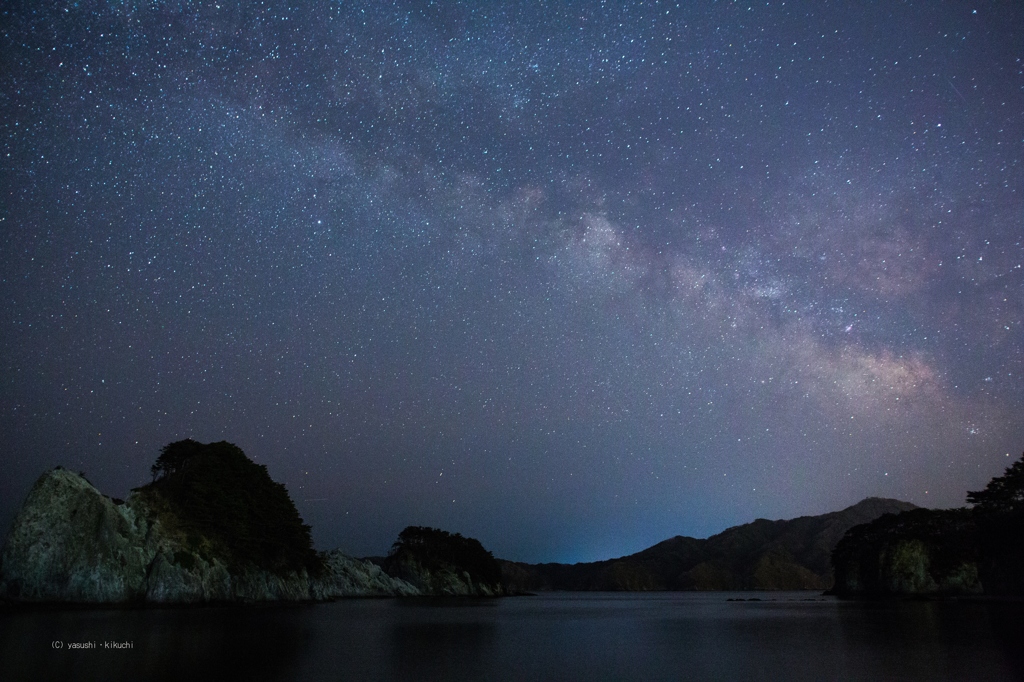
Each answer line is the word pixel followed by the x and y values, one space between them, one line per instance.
pixel 559 636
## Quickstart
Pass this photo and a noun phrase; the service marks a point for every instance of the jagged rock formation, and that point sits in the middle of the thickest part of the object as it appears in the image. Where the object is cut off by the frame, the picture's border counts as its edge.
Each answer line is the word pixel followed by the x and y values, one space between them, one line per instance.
pixel 763 555
pixel 345 576
pixel 71 543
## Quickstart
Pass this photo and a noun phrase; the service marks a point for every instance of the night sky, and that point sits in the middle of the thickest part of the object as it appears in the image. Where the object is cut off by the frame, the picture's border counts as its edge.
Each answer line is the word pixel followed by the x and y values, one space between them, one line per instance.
pixel 569 278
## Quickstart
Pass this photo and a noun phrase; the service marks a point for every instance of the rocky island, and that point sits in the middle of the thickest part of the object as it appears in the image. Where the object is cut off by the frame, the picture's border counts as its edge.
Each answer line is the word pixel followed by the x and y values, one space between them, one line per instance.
pixel 439 563
pixel 211 527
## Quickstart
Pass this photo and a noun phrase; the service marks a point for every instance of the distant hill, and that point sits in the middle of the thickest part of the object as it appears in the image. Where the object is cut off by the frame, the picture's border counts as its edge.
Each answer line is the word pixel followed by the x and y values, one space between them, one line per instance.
pixel 762 555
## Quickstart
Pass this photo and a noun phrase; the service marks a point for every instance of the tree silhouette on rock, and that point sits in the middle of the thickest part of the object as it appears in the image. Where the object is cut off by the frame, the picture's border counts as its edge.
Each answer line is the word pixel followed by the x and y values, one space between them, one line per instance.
pixel 217 496
pixel 1003 493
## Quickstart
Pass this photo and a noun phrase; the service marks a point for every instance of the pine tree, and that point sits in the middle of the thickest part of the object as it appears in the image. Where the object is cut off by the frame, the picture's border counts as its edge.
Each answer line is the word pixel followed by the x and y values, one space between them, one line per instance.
pixel 1003 493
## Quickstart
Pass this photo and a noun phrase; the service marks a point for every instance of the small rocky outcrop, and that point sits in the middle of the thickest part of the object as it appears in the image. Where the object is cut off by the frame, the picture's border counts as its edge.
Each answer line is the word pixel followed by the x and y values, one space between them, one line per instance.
pixel 344 576
pixel 71 544
pixel 439 563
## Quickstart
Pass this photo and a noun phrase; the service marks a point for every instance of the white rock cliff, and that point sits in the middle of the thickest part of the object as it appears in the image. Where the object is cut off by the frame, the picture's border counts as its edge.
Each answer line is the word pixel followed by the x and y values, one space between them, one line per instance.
pixel 71 543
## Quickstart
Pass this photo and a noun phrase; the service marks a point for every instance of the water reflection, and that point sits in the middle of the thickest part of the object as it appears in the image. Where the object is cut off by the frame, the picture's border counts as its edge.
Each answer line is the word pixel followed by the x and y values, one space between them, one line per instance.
pixel 935 640
pixel 554 636
pixel 442 650
pixel 167 644
pixel 442 639
pixel 756 641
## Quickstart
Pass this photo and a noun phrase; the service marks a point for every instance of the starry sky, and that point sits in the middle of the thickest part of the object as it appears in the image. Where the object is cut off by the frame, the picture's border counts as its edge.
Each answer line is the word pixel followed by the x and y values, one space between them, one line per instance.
pixel 567 277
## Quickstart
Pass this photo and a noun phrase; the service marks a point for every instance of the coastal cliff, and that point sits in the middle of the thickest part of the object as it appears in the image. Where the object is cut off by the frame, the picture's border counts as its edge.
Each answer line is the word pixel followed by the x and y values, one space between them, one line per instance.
pixel 213 527
pixel 940 552
pixel 72 544
pixel 919 552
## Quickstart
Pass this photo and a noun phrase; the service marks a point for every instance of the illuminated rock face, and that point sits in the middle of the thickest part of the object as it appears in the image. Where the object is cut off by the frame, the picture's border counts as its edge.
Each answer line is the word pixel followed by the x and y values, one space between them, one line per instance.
pixel 70 543
pixel 349 577
pixel 444 582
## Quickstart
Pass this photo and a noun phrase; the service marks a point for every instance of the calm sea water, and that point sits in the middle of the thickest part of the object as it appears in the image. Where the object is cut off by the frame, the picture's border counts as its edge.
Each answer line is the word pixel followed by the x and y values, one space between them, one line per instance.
pixel 559 636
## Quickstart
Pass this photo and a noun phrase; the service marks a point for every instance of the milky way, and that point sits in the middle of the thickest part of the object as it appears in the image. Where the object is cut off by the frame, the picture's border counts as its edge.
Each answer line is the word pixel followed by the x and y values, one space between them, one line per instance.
pixel 568 278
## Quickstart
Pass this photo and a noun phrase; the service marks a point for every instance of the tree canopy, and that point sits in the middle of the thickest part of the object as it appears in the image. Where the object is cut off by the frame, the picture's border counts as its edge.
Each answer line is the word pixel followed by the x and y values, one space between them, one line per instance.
pixel 437 550
pixel 217 493
pixel 1003 493
pixel 173 456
